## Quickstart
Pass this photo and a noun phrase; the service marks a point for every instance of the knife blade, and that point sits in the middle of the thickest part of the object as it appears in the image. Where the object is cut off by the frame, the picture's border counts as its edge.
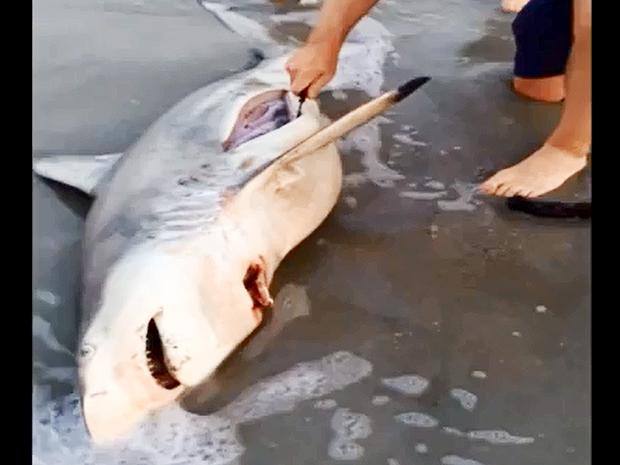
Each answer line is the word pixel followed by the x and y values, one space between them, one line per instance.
pixel 302 98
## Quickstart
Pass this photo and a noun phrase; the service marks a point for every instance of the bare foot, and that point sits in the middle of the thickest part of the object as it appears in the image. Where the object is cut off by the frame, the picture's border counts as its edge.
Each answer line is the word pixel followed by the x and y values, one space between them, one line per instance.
pixel 543 171
pixel 513 6
pixel 549 89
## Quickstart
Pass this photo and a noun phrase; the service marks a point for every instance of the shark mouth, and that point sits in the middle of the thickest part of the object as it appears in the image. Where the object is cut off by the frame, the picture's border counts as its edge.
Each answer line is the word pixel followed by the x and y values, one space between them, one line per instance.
pixel 260 115
pixel 156 360
pixel 256 284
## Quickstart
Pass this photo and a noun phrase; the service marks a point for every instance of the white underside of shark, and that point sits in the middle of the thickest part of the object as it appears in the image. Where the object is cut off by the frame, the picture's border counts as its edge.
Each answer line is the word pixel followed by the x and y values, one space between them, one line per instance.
pixel 188 227
pixel 183 240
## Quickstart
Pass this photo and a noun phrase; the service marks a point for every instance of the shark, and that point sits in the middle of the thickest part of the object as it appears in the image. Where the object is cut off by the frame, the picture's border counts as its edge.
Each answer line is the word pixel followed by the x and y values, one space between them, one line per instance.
pixel 186 230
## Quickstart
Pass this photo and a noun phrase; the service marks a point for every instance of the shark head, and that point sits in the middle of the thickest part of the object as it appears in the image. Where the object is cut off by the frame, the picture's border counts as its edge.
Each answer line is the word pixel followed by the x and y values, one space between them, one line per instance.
pixel 166 322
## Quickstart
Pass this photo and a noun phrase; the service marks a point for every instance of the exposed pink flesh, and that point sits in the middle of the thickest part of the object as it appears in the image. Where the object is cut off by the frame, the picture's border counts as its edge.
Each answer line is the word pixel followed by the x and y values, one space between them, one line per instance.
pixel 258 120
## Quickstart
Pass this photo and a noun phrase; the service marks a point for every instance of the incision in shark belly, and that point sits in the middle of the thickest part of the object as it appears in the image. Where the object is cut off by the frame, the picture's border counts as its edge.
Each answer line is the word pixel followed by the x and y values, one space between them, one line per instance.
pixel 259 116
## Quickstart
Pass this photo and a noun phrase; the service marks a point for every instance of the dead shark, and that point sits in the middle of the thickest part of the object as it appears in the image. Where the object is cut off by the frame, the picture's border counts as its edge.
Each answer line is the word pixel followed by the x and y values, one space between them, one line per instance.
pixel 186 231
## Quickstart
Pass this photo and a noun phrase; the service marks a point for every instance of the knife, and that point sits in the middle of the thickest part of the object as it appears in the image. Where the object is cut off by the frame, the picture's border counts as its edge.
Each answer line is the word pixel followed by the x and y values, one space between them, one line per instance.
pixel 302 98
pixel 350 121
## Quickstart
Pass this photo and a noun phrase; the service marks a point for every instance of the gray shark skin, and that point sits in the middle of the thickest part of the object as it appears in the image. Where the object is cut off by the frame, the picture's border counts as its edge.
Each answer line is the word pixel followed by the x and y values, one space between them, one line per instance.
pixel 184 235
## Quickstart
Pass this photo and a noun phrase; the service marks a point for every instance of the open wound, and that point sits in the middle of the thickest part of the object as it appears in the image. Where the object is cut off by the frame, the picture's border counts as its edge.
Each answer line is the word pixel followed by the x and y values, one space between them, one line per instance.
pixel 255 283
pixel 262 114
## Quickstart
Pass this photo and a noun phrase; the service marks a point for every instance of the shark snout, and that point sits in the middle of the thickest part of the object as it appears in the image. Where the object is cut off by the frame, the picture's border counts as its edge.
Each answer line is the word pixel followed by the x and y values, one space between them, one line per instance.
pixel 151 344
pixel 121 383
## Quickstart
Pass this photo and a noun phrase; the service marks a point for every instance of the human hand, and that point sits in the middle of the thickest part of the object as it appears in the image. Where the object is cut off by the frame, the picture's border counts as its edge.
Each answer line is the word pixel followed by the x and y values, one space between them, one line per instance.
pixel 312 66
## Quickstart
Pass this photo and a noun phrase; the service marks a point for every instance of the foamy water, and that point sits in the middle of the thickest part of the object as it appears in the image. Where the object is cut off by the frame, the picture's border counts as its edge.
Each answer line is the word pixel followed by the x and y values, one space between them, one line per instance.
pixel 411 385
pixel 417 419
pixel 421 195
pixel 406 139
pixel 325 404
pixel 174 436
pixel 468 400
pixel 348 427
pixel 436 185
pixel 457 460
pixel 380 400
pixel 464 202
pixel 421 448
pixel 495 437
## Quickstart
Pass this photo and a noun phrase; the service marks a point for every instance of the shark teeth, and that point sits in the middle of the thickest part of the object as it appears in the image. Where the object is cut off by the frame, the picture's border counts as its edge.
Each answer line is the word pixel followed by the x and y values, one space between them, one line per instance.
pixel 155 359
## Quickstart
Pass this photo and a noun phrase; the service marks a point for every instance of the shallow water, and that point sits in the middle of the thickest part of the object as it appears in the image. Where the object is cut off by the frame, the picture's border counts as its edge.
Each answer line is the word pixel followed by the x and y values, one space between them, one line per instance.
pixel 407 282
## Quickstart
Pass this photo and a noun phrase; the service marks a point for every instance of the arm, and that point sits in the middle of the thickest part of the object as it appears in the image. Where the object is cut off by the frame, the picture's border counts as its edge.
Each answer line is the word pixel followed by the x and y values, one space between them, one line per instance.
pixel 574 132
pixel 314 64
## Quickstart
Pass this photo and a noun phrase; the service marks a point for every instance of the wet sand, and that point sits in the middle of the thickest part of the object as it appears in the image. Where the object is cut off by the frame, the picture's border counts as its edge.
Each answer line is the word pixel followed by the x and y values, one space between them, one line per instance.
pixel 411 273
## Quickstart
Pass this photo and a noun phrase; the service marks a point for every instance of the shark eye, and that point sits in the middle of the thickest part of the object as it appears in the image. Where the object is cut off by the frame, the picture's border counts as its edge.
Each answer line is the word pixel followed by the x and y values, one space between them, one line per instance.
pixel 86 351
pixel 155 358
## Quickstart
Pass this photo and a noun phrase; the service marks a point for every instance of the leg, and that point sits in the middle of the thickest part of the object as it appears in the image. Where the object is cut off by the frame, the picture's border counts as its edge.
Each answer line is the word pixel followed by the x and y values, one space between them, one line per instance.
pixel 565 152
pixel 543 171
pixel 549 90
pixel 513 6
pixel 543 36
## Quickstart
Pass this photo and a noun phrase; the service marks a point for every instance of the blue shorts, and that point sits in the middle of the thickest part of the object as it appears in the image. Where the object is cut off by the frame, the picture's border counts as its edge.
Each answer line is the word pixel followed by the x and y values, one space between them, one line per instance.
pixel 544 35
